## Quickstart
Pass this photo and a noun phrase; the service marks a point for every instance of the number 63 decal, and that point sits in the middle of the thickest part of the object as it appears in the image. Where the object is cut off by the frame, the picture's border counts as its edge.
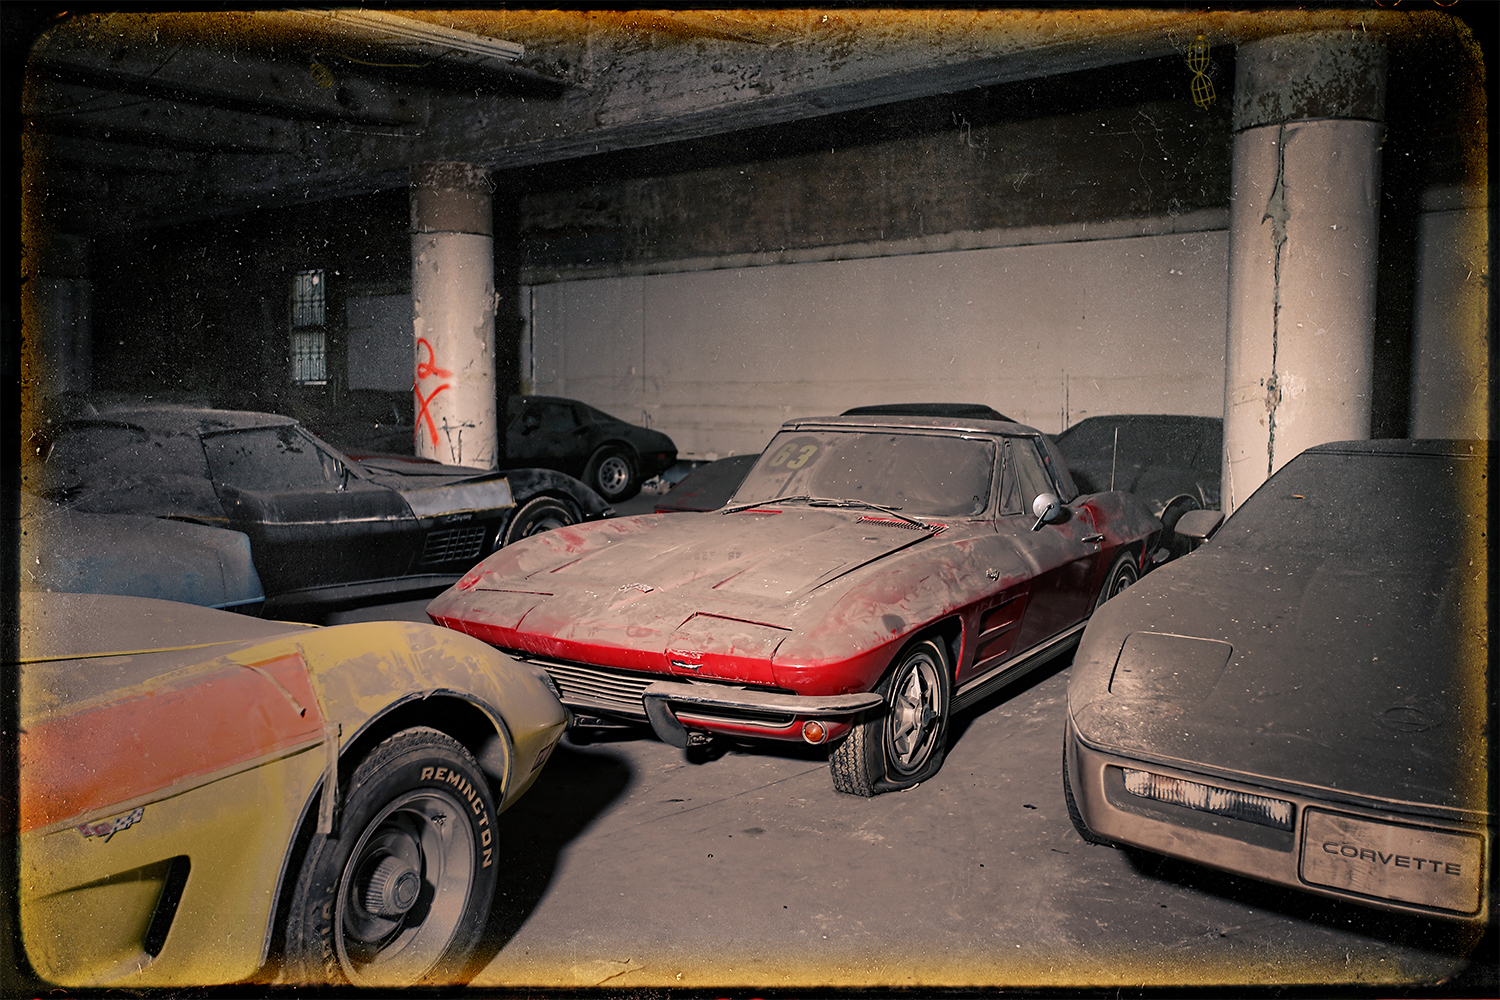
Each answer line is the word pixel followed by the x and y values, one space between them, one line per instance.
pixel 793 454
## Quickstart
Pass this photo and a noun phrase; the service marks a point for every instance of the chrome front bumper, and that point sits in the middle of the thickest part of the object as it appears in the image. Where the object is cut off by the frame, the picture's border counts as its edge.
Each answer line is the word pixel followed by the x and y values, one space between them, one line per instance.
pixel 659 698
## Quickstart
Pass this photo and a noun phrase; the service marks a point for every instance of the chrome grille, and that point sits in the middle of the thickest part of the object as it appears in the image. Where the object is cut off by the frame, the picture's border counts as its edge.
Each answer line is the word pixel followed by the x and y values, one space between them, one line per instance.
pixel 454 544
pixel 617 691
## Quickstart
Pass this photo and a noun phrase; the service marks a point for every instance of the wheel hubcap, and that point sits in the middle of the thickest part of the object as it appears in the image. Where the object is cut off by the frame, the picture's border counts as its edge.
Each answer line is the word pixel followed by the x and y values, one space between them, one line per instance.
pixel 916 709
pixel 404 891
pixel 614 475
pixel 392 888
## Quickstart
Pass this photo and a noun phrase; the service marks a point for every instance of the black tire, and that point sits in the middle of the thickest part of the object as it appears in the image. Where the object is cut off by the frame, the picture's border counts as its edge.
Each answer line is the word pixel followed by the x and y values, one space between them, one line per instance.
pixel 1121 575
pixel 537 515
pixel 401 893
pixel 903 742
pixel 612 473
pixel 1089 836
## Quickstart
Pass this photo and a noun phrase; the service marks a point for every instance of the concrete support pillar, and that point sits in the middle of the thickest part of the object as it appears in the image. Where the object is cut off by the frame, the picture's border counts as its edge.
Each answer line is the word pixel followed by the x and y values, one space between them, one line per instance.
pixel 453 314
pixel 1303 234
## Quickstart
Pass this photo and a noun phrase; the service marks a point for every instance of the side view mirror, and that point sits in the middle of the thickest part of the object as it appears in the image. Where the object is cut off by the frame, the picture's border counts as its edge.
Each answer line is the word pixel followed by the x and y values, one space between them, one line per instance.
pixel 1199 525
pixel 1047 508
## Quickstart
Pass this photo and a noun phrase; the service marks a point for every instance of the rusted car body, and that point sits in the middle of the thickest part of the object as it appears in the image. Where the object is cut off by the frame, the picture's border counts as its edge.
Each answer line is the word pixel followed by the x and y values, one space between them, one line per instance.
pixel 322 526
pixel 209 798
pixel 1302 700
pixel 871 576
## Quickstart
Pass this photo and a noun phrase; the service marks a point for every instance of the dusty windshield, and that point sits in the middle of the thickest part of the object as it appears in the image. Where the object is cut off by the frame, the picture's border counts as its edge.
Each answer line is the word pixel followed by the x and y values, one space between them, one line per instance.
pixel 919 474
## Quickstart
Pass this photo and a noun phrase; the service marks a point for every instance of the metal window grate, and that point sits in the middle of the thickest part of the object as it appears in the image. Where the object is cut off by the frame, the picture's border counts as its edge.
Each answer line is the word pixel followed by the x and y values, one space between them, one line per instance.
pixel 308 307
pixel 309 357
pixel 453 544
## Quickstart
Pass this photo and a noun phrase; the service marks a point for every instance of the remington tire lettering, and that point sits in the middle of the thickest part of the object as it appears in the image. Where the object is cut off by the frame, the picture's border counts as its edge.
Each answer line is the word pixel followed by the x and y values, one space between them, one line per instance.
pixel 400 895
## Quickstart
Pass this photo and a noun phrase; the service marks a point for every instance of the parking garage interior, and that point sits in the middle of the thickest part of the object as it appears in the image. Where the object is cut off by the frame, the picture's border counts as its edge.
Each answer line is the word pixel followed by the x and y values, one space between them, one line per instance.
pixel 709 222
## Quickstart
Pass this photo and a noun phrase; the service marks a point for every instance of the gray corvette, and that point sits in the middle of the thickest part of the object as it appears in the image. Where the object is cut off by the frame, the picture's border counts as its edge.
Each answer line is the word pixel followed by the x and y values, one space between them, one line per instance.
pixel 1303 699
pixel 322 527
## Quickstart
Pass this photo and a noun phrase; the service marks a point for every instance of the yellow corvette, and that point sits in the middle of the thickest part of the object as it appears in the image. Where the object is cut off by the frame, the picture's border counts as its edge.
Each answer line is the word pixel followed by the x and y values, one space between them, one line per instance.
pixel 209 798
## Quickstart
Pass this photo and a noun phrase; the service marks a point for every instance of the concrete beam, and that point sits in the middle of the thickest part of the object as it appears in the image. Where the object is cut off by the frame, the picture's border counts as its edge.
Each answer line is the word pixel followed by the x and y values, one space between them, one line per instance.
pixel 127 55
pixel 630 79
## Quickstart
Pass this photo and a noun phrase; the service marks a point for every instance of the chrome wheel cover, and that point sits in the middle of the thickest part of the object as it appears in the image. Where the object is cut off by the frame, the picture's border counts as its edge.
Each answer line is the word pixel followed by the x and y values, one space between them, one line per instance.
pixel 402 896
pixel 916 711
pixel 613 475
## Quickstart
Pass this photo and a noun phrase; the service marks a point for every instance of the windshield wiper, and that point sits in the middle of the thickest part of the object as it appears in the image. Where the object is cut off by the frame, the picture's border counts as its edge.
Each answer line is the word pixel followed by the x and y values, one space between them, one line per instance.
pixel 893 511
pixel 764 503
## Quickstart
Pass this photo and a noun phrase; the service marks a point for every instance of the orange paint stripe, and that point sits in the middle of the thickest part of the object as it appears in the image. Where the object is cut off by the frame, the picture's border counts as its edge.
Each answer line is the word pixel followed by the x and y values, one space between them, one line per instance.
pixel 112 753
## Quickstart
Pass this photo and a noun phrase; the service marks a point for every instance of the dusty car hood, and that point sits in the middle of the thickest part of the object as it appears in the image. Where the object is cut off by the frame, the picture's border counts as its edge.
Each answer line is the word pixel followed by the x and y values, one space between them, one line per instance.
pixel 639 578
pixel 1293 670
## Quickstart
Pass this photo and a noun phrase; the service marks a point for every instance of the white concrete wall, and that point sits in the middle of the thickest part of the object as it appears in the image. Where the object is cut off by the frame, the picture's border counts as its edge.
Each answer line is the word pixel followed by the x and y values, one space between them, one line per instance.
pixel 1047 333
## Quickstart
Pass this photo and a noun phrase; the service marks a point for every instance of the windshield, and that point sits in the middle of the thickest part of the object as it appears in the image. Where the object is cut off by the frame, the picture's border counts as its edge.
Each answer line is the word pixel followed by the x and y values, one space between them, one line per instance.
pixel 919 474
pixel 1410 509
pixel 270 458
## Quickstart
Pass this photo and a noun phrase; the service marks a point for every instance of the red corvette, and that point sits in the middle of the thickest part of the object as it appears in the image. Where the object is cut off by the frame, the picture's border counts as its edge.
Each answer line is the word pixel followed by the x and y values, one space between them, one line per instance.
pixel 871 576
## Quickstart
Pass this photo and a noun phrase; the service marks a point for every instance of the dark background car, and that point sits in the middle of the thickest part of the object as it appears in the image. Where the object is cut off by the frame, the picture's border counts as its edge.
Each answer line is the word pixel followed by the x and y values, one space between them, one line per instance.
pixel 612 456
pixel 322 526
pixel 1171 461
pixel 974 411
pixel 1303 699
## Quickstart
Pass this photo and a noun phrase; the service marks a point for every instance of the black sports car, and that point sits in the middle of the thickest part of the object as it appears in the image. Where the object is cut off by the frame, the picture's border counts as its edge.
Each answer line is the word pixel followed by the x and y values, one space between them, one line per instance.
pixel 1302 700
pixel 322 526
pixel 613 457
pixel 972 411
pixel 1168 460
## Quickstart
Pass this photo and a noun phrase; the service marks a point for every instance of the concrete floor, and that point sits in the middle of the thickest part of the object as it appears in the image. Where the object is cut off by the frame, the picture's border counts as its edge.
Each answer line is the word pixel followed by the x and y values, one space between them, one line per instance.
pixel 632 865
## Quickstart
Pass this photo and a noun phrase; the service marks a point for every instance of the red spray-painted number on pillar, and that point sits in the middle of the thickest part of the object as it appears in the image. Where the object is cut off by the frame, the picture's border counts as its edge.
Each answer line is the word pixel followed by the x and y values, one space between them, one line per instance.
pixel 426 369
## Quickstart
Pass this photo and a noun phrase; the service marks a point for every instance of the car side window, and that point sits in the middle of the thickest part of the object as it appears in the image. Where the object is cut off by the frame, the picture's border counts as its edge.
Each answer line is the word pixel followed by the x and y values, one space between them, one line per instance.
pixel 269 458
pixel 555 418
pixel 1025 476
pixel 1057 465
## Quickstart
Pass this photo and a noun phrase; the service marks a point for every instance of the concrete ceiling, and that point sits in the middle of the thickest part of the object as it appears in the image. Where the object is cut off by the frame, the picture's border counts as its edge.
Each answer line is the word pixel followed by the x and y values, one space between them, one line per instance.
pixel 142 119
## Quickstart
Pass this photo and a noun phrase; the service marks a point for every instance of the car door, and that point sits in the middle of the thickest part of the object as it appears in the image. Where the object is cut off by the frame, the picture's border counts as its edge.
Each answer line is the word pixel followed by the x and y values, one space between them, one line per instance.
pixel 1063 555
pixel 313 521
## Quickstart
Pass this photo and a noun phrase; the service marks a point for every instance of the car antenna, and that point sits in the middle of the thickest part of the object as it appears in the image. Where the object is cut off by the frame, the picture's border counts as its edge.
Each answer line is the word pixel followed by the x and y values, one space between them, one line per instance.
pixel 1113 455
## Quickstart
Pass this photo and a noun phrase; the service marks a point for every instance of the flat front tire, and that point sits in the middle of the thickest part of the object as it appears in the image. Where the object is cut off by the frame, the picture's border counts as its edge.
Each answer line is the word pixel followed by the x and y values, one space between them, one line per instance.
pixel 902 742
pixel 400 895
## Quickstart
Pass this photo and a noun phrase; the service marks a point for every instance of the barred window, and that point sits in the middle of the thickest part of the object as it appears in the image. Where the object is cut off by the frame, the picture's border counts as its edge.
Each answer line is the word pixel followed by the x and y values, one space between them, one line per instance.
pixel 307 299
pixel 309 338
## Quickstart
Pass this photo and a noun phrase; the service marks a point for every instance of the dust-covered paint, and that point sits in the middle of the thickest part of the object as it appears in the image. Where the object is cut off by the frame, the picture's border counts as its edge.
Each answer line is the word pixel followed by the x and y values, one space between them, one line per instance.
pixel 191 762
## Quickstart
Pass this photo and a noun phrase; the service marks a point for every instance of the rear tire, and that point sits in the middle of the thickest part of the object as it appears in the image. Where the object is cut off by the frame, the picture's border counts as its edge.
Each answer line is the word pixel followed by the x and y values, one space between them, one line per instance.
pixel 1121 575
pixel 903 742
pixel 400 895
pixel 612 474
pixel 537 515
